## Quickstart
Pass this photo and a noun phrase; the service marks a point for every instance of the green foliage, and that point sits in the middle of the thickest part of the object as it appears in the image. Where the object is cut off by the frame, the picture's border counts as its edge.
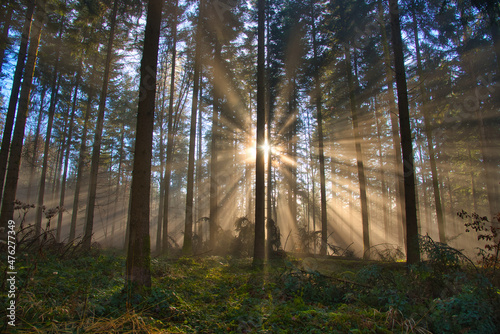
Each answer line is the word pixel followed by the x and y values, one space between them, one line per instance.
pixel 312 287
pixel 243 243
pixel 308 239
pixel 214 294
pixel 490 253
pixel 470 310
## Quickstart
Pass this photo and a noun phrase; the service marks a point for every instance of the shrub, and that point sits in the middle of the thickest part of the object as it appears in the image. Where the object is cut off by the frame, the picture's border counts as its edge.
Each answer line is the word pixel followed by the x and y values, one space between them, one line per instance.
pixel 490 253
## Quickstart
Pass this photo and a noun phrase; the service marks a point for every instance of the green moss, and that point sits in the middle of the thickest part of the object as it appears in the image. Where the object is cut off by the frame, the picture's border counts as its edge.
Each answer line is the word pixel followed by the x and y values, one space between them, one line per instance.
pixel 223 295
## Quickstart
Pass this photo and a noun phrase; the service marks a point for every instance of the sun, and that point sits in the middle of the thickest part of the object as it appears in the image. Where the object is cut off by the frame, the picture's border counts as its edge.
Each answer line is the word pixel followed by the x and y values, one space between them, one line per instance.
pixel 251 151
pixel 267 148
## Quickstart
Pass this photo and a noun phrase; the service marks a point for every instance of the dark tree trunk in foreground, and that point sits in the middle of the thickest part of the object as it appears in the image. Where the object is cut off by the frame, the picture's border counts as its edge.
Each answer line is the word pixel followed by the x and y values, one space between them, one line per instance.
pixel 138 271
pixel 18 136
pixel 187 247
pixel 396 141
pixel 16 85
pixel 260 195
pixel 412 249
pixel 96 149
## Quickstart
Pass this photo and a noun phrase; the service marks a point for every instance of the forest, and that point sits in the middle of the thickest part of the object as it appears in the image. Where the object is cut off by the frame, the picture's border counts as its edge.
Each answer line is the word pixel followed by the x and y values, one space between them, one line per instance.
pixel 217 166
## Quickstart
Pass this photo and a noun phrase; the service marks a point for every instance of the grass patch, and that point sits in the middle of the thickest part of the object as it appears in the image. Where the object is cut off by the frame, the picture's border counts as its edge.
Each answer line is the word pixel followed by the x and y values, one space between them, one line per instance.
pixel 83 293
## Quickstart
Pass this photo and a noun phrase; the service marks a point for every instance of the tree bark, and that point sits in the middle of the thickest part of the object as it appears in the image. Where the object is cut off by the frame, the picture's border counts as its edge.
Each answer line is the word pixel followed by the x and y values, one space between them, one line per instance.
pixel 81 160
pixel 138 271
pixel 412 248
pixel 269 115
pixel 10 189
pixel 41 188
pixel 260 195
pixel 56 79
pixel 170 140
pixel 162 173
pixel 59 162
pixel 319 119
pixel 199 166
pixel 214 201
pixel 383 186
pixel 187 247
pixel 119 178
pixel 66 158
pixel 16 86
pixel 396 141
pixel 428 134
pixel 96 149
pixel 359 156
pixel 34 159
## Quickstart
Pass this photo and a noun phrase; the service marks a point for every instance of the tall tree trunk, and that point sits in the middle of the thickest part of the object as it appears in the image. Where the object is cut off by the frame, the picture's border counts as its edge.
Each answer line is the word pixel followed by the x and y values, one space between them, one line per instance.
pixel 396 141
pixel 412 248
pixel 34 156
pixel 16 85
pixel 472 179
pixel 359 156
pixel 56 80
pixel 423 217
pixel 161 208
pixel 214 201
pixel 161 145
pixel 187 247
pixel 10 189
pixel 260 232
pixel 486 138
pixel 56 181
pixel 119 178
pixel 96 149
pixel 66 157
pixel 383 184
pixel 428 133
pixel 291 148
pixel 41 189
pixel 199 166
pixel 170 139
pixel 80 166
pixel 269 115
pixel 319 116
pixel 162 181
pixel 138 272
pixel 488 163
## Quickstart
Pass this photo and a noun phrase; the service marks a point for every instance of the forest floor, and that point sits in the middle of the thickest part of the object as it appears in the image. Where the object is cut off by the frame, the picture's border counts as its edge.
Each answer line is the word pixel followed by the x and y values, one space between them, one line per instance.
pixel 83 293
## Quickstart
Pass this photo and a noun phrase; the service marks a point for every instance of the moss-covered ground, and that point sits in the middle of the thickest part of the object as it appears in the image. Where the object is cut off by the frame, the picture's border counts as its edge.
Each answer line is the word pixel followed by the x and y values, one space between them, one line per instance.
pixel 82 293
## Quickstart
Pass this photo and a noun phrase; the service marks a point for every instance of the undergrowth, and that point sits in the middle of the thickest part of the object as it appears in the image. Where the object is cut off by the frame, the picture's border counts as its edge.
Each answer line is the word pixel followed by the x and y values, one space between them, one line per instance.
pixel 62 289
pixel 83 293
